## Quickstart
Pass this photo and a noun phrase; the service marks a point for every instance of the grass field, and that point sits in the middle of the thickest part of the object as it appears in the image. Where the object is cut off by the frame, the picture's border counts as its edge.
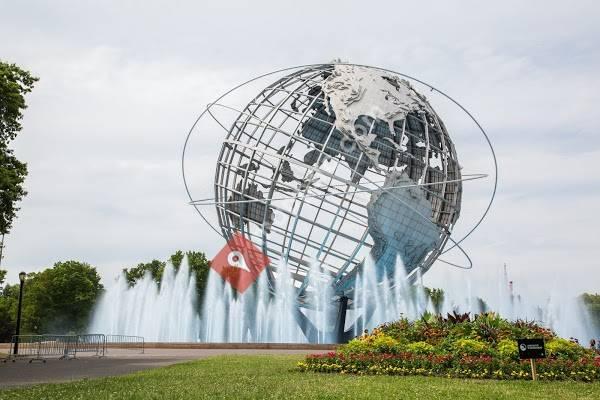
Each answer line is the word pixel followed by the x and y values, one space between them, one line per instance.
pixel 257 377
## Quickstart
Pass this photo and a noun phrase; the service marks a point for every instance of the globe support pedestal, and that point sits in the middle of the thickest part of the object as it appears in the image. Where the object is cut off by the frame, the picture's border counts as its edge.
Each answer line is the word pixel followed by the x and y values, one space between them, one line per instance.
pixel 340 321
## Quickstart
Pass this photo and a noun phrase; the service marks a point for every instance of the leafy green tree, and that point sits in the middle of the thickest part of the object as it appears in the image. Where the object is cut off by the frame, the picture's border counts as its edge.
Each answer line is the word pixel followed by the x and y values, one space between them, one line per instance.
pixel 8 307
pixel 198 263
pixel 60 299
pixel 156 269
pixel 56 300
pixel 15 83
pixel 200 266
pixel 7 315
pixel 12 176
pixel 176 259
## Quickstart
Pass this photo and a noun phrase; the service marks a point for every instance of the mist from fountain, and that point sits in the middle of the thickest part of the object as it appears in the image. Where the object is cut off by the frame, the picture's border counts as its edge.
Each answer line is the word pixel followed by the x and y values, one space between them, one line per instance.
pixel 385 302
pixel 170 312
pixel 166 313
pixel 560 311
pixel 253 316
pixel 381 301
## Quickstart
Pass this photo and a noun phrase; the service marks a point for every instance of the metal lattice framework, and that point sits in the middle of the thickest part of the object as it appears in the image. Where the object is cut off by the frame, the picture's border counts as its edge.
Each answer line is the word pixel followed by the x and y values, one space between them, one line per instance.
pixel 293 183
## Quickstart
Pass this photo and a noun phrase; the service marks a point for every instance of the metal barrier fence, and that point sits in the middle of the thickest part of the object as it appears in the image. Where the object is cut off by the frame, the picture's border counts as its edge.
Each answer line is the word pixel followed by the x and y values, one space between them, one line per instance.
pixel 125 342
pixel 28 347
pixel 91 343
pixel 64 346
pixel 40 347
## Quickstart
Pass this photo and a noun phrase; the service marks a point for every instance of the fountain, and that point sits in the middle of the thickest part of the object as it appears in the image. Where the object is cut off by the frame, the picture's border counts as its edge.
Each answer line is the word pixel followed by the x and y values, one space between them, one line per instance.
pixel 170 312
pixel 558 310
pixel 254 316
pixel 166 313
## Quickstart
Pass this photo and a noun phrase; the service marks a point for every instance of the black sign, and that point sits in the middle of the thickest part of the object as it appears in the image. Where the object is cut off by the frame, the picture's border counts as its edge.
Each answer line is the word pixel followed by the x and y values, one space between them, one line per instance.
pixel 531 348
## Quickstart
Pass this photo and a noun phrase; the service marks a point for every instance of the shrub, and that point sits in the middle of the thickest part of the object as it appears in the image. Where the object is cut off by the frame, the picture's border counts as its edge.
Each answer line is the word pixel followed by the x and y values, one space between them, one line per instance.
pixel 423 348
pixel 385 344
pixel 484 347
pixel 478 367
pixel 524 329
pixel 397 329
pixel 562 348
pixel 490 327
pixel 356 346
pixel 507 349
pixel 470 347
pixel 377 342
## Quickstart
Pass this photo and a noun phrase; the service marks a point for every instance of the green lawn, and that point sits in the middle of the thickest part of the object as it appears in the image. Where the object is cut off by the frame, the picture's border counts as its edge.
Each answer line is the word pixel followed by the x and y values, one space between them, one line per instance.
pixel 249 377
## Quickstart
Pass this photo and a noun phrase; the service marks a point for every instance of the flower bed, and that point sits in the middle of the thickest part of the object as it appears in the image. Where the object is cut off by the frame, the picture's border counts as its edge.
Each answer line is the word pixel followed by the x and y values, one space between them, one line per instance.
pixel 483 348
pixel 481 367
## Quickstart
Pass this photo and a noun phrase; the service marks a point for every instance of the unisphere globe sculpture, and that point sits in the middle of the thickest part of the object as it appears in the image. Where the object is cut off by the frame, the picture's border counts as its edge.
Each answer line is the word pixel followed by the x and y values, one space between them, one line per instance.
pixel 335 162
pixel 348 180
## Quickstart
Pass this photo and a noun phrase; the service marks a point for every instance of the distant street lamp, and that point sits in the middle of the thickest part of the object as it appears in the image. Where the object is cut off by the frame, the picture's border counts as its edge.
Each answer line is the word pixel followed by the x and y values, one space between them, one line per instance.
pixel 22 276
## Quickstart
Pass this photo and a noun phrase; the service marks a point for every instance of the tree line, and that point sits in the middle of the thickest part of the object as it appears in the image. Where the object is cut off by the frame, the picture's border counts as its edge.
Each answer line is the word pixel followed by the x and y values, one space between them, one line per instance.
pixel 57 300
pixel 61 299
pixel 197 261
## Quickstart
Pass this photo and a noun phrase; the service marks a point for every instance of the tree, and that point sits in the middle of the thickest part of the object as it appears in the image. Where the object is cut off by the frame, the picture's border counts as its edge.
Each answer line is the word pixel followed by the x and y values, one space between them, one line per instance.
pixel 200 266
pixel 197 261
pixel 155 268
pixel 176 259
pixel 60 299
pixel 7 309
pixel 56 300
pixel 15 83
pixel 12 176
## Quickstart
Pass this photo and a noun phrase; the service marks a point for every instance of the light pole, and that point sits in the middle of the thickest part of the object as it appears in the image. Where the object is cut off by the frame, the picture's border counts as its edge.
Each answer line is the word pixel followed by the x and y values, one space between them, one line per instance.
pixel 22 276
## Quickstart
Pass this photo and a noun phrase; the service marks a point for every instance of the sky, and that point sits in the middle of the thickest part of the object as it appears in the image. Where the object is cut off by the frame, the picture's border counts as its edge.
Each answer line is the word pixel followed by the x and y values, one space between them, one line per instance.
pixel 122 82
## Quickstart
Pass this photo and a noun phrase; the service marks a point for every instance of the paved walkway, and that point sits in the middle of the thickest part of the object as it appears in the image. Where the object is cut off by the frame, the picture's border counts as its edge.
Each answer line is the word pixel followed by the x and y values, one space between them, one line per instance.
pixel 117 362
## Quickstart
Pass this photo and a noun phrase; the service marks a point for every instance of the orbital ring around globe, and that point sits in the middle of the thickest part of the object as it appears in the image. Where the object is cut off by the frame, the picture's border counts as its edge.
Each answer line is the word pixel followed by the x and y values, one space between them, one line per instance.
pixel 252 200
